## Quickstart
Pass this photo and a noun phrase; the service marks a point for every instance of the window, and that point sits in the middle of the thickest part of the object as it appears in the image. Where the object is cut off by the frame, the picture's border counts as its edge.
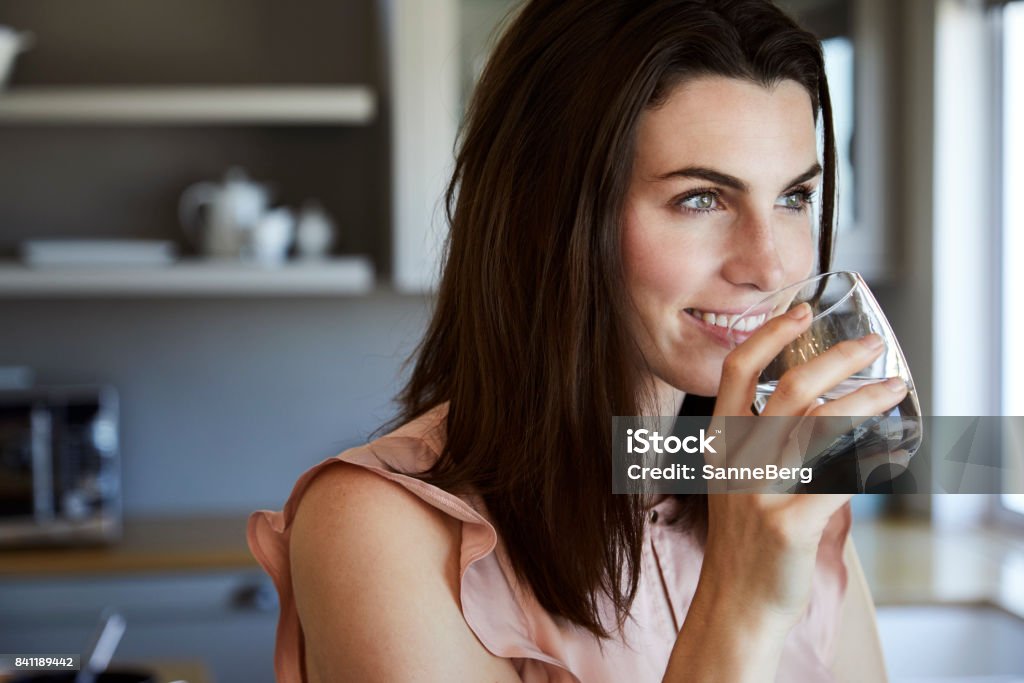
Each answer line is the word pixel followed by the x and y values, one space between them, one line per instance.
pixel 1014 502
pixel 1013 223
pixel 1013 212
pixel 839 68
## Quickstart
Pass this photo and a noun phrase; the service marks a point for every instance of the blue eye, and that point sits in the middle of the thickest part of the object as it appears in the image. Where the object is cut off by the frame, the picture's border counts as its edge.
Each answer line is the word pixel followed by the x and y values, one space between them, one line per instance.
pixel 796 201
pixel 706 200
pixel 701 202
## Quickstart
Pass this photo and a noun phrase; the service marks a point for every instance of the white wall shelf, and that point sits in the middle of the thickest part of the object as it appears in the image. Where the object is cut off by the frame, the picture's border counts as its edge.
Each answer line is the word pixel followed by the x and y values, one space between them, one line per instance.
pixel 343 276
pixel 189 105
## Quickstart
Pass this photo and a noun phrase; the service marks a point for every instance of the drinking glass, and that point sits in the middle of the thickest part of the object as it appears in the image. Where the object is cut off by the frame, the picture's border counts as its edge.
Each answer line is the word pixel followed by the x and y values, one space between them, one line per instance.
pixel 843 308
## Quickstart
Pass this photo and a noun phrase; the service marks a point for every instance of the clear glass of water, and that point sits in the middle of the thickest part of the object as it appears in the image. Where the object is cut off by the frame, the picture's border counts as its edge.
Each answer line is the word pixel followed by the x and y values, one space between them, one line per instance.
pixel 843 308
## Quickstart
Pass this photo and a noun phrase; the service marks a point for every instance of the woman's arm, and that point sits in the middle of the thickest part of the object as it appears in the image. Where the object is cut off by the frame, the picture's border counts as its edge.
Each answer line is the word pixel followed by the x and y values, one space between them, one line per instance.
pixel 716 645
pixel 858 650
pixel 725 641
pixel 376 578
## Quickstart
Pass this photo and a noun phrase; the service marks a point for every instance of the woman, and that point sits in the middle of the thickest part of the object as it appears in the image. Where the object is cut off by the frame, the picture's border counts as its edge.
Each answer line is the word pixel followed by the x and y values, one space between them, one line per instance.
pixel 626 169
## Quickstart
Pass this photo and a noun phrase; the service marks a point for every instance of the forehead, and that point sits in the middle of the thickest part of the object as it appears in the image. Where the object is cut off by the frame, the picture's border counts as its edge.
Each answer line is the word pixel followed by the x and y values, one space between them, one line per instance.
pixel 732 125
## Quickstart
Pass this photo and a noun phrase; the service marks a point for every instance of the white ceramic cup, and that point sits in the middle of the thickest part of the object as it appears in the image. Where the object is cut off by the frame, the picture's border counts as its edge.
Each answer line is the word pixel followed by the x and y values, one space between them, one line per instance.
pixel 11 43
pixel 272 237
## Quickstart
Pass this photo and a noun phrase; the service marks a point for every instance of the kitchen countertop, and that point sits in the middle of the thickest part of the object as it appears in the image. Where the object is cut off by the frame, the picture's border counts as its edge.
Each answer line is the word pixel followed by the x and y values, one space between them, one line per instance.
pixel 148 544
pixel 908 562
pixel 166 672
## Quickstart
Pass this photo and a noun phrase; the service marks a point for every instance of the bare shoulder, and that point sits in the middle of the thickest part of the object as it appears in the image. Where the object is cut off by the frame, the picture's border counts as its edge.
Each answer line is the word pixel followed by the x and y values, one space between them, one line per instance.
pixel 347 498
pixel 375 572
pixel 348 515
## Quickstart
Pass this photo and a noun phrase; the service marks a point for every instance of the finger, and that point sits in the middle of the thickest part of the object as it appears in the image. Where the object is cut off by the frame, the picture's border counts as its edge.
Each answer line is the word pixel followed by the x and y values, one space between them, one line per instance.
pixel 873 399
pixel 744 364
pixel 834 419
pixel 758 441
pixel 831 436
pixel 802 386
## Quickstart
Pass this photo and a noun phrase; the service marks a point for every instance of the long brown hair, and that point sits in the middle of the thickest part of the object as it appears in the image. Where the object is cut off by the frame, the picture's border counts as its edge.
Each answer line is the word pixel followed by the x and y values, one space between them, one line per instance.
pixel 528 341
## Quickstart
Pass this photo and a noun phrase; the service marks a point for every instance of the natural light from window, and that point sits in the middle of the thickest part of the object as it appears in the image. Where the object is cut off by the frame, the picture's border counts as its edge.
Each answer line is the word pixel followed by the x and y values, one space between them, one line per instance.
pixel 839 69
pixel 1013 226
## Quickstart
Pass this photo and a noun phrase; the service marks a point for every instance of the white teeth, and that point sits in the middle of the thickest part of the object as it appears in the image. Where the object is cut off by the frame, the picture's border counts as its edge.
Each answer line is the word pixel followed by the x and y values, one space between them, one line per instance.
pixel 750 323
pixel 747 324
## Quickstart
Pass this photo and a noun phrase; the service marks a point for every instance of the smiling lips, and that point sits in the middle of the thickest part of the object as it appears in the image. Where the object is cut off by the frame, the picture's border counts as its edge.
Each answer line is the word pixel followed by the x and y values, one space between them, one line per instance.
pixel 724 320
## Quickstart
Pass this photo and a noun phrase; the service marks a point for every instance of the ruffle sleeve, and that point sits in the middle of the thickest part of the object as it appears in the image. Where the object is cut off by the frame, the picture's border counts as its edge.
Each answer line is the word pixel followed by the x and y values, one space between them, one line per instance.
pixel 488 600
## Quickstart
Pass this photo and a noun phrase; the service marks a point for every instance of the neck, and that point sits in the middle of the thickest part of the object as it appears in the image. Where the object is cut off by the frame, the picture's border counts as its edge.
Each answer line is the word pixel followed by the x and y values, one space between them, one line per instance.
pixel 670 399
pixel 669 403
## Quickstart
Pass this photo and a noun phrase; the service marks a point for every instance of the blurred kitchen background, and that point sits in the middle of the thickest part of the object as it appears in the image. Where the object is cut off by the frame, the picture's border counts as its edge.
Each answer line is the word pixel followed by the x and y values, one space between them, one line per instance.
pixel 220 223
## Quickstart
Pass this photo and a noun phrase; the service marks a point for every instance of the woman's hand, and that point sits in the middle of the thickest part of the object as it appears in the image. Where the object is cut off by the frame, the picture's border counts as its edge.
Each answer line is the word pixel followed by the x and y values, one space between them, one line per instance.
pixel 761 548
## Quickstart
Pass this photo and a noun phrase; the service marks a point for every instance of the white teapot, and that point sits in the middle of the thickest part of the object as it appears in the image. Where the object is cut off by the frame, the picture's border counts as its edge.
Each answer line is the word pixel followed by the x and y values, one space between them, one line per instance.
pixel 219 218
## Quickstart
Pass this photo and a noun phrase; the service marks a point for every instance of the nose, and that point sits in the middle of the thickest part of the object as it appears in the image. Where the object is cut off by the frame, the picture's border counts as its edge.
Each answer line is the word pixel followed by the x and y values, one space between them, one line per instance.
pixel 753 257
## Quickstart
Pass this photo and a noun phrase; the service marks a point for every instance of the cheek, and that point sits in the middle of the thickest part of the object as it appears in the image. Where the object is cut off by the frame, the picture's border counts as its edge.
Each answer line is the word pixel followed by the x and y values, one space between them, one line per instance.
pixel 798 244
pixel 655 261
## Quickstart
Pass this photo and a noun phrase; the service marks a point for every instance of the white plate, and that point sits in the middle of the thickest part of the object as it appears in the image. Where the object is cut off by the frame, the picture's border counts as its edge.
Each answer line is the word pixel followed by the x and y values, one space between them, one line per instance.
pixel 87 252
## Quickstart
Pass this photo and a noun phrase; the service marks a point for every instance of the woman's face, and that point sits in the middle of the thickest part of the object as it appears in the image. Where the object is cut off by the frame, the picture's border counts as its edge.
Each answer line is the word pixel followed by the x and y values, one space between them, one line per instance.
pixel 717 215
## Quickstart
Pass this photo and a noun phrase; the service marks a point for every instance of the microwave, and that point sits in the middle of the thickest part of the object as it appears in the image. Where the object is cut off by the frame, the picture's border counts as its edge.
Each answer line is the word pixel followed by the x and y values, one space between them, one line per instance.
pixel 60 472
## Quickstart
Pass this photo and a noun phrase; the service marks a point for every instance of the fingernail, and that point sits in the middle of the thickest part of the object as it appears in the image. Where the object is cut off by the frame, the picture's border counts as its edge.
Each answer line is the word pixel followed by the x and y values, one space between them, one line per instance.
pixel 799 312
pixel 896 385
pixel 873 342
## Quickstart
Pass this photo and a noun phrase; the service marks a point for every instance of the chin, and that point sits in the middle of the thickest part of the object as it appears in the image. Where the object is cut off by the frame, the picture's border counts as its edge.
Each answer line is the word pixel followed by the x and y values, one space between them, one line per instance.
pixel 696 373
pixel 704 384
pixel 706 387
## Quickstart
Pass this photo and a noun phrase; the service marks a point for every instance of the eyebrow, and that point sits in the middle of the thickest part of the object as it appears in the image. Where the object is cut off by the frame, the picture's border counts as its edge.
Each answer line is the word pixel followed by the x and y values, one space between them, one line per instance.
pixel 735 183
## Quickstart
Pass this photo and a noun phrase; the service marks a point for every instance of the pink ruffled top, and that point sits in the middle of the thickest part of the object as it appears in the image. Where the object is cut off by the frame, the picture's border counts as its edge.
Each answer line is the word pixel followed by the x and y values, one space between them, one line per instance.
pixel 504 615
